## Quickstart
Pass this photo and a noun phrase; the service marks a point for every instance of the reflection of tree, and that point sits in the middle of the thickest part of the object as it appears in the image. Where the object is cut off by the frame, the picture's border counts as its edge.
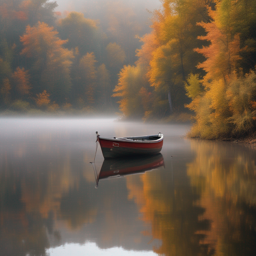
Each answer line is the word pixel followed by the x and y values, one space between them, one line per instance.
pixel 225 176
pixel 33 178
pixel 77 206
pixel 171 210
pixel 20 232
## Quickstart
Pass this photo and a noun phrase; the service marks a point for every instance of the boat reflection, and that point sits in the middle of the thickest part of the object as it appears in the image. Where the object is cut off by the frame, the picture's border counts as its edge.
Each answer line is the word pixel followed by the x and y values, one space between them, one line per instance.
pixel 119 167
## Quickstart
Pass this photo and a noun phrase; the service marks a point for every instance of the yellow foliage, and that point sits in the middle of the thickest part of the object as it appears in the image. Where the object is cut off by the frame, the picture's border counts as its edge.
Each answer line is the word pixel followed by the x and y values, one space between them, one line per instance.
pixel 230 109
pixel 131 80
pixel 160 67
pixel 193 86
pixel 226 186
pixel 229 95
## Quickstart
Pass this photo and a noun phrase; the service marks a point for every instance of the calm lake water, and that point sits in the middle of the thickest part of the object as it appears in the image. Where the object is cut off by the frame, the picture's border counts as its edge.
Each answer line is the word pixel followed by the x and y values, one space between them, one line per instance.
pixel 202 202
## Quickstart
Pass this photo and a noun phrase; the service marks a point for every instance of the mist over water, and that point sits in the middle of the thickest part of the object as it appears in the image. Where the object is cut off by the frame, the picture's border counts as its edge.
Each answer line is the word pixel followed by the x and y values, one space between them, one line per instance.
pixel 201 202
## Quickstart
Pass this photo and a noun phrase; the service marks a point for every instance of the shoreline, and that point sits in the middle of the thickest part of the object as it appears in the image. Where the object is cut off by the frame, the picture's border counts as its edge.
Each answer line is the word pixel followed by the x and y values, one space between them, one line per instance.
pixel 249 141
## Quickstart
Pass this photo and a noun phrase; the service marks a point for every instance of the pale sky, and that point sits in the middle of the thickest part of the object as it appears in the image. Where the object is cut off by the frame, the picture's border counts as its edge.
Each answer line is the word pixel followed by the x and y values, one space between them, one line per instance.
pixel 91 249
pixel 78 5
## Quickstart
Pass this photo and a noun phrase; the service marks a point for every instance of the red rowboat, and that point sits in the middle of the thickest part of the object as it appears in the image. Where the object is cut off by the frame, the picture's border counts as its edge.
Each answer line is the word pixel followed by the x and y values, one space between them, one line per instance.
pixel 126 166
pixel 131 146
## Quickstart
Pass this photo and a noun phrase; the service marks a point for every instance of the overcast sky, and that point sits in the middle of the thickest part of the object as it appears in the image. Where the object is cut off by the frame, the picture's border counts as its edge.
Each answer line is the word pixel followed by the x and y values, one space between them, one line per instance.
pixel 80 5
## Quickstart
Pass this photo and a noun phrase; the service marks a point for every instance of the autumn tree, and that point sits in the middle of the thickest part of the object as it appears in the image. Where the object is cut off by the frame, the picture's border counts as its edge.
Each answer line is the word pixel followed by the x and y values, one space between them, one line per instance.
pixel 5 91
pixel 123 25
pixel 50 60
pixel 42 99
pixel 21 80
pixel 218 107
pixel 168 55
pixel 86 78
pixel 103 91
pixel 176 31
pixel 116 54
pixel 16 15
pixel 80 32
pixel 239 17
pixel 6 57
pixel 131 81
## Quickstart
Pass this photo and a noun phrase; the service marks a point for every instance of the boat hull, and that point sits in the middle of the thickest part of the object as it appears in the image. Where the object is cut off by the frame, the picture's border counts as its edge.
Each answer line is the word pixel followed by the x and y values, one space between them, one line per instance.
pixel 114 148
pixel 127 166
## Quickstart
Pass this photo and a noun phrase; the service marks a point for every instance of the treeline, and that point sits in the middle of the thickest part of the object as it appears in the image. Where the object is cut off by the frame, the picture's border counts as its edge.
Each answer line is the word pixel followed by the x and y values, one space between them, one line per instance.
pixel 52 61
pixel 199 56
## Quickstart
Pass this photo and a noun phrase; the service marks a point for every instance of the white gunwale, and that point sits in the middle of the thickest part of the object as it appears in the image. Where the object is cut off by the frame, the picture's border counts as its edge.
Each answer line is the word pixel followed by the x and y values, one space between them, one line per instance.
pixel 133 139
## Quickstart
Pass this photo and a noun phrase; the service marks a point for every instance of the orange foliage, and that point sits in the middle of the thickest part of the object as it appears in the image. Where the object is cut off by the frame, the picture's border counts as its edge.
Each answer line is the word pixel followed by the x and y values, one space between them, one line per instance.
pixel 7 12
pixel 145 98
pixel 58 14
pixel 21 78
pixel 42 99
pixel 20 15
pixel 50 57
pixel 222 54
pixel 34 36
pixel 150 43
pixel 25 4
pixel 253 104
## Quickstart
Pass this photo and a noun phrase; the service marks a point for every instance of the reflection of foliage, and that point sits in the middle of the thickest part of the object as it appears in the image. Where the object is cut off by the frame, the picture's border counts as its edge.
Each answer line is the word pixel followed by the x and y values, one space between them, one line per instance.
pixel 225 177
pixel 36 187
pixel 29 235
pixel 76 207
pixel 171 210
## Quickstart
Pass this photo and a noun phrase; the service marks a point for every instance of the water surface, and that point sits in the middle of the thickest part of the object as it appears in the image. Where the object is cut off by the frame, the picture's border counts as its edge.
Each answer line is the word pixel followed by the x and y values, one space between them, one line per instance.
pixel 203 202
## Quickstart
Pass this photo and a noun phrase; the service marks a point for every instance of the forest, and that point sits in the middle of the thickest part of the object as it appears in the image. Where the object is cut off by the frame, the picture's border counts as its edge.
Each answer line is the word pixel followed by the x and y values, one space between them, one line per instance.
pixel 194 58
pixel 54 61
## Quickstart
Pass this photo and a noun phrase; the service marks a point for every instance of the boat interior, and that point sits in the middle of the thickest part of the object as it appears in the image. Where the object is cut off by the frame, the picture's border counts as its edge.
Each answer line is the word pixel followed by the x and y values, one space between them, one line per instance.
pixel 142 138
